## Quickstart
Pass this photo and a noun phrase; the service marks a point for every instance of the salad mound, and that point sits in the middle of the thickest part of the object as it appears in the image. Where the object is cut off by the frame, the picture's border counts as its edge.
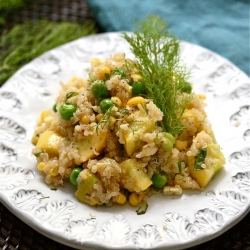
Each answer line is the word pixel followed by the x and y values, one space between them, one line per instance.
pixel 133 128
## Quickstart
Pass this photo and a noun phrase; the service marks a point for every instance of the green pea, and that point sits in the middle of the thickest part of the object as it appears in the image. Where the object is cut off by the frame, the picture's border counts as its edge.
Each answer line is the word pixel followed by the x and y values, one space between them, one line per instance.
pixel 99 89
pixel 67 110
pixel 163 135
pixel 167 146
pixel 74 174
pixel 159 180
pixel 138 88
pixel 105 104
pixel 186 87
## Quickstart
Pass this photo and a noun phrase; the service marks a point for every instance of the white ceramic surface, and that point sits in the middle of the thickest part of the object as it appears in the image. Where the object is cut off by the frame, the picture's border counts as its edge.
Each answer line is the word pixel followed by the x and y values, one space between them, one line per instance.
pixel 170 222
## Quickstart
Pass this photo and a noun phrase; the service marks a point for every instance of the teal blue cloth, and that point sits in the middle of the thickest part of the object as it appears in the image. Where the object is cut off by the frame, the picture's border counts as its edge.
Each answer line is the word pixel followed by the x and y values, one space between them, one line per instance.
pixel 219 25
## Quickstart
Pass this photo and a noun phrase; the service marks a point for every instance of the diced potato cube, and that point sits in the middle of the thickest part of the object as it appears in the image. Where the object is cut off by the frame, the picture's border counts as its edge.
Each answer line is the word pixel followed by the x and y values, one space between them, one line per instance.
pixel 49 142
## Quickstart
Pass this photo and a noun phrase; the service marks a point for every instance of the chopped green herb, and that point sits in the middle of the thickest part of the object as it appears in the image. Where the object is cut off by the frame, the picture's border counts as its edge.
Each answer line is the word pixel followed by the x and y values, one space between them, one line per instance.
pixel 124 111
pixel 45 197
pixel 179 165
pixel 120 71
pixel 105 119
pixel 107 76
pixel 54 108
pixel 54 189
pixel 142 209
pixel 71 94
pixel 92 78
pixel 37 154
pixel 200 159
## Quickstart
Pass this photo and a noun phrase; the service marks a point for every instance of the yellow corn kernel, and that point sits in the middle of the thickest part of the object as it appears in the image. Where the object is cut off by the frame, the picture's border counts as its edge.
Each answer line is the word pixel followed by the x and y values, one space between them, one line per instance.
pixel 72 80
pixel 130 90
pixel 202 96
pixel 136 100
pixel 140 197
pixel 176 190
pixel 99 117
pixel 136 77
pixel 95 62
pixel 134 200
pixel 54 171
pixel 112 121
pixel 117 101
pixel 34 139
pixel 41 166
pixel 44 114
pixel 104 72
pixel 121 199
pixel 181 145
pixel 85 120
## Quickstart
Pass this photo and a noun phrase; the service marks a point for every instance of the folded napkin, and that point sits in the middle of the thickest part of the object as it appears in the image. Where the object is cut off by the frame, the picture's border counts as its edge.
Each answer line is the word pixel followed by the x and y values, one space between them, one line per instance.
pixel 219 25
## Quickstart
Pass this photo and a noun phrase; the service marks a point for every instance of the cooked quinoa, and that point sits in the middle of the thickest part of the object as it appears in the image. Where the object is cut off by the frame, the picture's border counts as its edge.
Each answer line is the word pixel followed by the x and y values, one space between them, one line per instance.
pixel 121 150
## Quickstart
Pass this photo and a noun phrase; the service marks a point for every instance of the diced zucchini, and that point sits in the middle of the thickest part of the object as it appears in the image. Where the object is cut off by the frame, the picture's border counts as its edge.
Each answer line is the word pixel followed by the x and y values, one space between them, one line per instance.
pixel 132 172
pixel 132 136
pixel 85 186
pixel 49 142
pixel 204 176
pixel 91 144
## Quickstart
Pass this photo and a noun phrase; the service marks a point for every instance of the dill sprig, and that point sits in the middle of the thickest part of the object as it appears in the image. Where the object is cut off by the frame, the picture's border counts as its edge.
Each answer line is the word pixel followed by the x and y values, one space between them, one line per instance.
pixel 25 42
pixel 157 57
pixel 8 6
pixel 104 122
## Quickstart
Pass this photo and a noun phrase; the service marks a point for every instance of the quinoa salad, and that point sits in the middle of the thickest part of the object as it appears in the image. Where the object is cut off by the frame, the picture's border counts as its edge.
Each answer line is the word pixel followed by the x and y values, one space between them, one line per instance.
pixel 105 136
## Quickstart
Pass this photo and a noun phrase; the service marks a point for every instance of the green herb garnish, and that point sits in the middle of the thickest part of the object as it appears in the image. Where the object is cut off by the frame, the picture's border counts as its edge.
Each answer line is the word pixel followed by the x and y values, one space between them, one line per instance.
pixel 119 71
pixel 45 197
pixel 142 209
pixel 157 57
pixel 71 94
pixel 8 6
pixel 25 42
pixel 54 108
pixel 124 111
pixel 179 166
pixel 104 122
pixel 38 154
pixel 200 159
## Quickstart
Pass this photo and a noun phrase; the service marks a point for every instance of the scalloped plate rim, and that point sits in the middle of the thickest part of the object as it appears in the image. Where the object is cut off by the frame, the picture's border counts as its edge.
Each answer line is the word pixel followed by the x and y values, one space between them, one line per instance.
pixel 54 234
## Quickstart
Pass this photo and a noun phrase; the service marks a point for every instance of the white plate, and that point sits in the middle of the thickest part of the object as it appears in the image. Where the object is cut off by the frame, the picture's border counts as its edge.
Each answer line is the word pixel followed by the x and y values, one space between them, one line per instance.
pixel 170 222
